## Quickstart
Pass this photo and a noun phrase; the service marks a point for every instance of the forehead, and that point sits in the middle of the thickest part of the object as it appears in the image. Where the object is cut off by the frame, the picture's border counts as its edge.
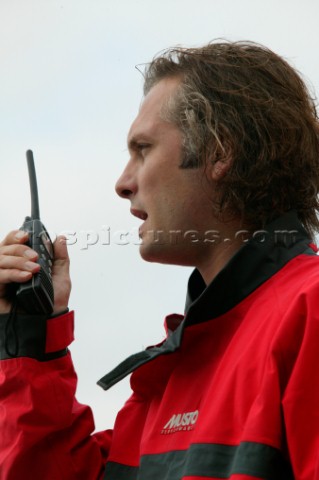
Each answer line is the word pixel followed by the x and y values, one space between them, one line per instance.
pixel 150 119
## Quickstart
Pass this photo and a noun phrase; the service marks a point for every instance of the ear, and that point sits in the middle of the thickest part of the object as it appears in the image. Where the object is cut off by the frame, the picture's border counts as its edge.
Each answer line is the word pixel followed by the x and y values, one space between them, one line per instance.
pixel 220 167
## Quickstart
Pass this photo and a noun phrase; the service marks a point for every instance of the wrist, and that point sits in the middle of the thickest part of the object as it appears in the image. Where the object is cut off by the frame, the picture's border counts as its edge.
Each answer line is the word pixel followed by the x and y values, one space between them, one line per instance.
pixel 35 336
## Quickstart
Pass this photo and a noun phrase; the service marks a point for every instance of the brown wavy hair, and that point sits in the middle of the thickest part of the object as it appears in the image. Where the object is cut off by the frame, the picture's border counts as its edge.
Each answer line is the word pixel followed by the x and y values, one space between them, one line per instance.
pixel 242 101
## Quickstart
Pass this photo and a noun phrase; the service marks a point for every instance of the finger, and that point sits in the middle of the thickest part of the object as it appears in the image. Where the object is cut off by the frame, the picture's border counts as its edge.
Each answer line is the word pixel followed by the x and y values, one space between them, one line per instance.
pixel 61 254
pixel 18 251
pixel 61 276
pixel 17 263
pixel 14 275
pixel 15 236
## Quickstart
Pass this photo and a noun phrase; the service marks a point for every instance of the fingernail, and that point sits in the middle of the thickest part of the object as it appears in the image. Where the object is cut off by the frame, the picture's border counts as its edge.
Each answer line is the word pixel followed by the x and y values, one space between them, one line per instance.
pixel 30 254
pixel 20 234
pixel 25 274
pixel 31 266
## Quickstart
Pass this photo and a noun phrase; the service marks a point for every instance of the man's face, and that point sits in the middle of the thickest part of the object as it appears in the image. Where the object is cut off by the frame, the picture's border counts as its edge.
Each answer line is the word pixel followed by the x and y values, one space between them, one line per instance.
pixel 172 202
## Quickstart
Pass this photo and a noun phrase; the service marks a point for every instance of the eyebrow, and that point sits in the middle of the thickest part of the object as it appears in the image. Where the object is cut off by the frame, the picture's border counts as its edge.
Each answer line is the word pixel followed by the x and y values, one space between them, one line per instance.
pixel 134 141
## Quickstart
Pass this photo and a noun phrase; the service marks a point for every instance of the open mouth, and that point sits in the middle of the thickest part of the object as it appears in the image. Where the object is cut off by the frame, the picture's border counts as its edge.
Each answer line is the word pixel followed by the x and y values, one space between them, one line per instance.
pixel 139 213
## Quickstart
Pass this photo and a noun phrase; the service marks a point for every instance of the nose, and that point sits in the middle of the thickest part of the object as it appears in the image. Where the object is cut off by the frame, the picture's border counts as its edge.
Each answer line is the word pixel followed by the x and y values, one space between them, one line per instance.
pixel 126 185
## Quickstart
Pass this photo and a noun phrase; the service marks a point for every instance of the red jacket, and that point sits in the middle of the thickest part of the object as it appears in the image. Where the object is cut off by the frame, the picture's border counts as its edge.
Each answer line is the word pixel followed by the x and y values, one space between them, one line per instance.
pixel 232 392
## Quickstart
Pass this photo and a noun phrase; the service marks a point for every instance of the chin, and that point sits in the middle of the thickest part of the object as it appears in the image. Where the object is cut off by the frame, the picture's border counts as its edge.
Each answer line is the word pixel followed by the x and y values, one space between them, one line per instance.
pixel 163 254
pixel 151 253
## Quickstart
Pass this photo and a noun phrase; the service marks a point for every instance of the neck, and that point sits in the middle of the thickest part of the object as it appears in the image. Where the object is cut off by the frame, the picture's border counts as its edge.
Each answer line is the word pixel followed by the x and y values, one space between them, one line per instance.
pixel 220 253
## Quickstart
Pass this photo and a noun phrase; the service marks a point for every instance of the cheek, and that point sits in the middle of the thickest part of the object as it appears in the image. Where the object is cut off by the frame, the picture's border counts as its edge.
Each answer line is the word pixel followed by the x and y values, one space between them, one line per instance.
pixel 148 182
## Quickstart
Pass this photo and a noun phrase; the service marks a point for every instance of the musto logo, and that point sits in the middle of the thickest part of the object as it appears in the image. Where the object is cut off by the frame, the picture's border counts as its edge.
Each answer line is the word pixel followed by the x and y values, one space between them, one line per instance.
pixel 181 422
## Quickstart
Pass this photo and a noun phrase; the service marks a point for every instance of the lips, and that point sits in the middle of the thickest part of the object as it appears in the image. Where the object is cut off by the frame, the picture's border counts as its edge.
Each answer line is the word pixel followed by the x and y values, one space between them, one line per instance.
pixel 142 216
pixel 139 213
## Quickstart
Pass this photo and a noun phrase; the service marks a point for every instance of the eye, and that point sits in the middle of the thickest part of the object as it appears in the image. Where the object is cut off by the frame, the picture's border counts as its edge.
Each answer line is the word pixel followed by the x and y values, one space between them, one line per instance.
pixel 142 149
pixel 142 146
pixel 138 148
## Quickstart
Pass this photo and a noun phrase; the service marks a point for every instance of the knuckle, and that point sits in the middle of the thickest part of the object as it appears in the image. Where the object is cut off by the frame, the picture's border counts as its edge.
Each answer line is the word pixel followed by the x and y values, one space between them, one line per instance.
pixel 2 260
pixel 6 276
pixel 9 237
pixel 14 237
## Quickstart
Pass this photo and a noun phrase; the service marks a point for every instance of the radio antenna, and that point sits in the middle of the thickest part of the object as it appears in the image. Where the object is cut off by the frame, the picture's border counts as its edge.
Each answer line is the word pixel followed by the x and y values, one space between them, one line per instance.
pixel 35 210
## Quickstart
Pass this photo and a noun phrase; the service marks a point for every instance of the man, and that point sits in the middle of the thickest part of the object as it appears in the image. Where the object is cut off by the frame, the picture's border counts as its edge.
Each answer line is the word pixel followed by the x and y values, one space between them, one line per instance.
pixel 224 160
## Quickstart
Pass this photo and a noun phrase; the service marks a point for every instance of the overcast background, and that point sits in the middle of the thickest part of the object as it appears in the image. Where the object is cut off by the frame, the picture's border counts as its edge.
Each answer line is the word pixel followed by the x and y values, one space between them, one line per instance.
pixel 69 91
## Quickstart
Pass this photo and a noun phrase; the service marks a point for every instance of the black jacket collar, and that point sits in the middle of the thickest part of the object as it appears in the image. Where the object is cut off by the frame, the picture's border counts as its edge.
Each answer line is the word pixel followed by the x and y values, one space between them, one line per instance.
pixel 261 257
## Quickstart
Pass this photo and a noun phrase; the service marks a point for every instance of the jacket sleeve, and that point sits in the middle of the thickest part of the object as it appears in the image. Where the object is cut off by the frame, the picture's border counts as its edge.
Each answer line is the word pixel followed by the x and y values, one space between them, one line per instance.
pixel 301 394
pixel 45 433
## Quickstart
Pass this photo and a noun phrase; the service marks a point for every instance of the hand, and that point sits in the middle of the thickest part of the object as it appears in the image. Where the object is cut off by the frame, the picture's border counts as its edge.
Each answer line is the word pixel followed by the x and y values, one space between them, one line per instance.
pixel 18 264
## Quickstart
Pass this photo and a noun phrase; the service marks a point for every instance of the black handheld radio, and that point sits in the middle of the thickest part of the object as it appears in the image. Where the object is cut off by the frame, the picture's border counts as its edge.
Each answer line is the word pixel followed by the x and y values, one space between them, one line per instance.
pixel 36 295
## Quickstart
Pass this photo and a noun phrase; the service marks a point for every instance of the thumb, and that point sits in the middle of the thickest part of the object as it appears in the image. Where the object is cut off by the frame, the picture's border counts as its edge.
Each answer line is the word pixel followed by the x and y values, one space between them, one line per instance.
pixel 61 275
pixel 61 255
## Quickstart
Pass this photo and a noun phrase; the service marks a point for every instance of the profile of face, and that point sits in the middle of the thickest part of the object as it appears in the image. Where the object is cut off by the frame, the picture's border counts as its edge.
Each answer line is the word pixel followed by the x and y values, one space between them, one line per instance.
pixel 174 203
